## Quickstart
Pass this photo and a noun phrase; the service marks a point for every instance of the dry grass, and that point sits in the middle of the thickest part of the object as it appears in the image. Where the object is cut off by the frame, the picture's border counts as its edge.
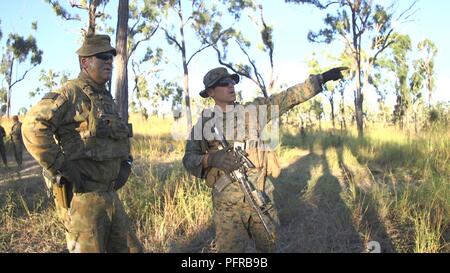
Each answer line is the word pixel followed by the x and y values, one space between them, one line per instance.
pixel 335 194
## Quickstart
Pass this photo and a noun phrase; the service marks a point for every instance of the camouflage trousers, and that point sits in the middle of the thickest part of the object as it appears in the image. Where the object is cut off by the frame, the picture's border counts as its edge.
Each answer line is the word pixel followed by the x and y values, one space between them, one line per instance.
pixel 18 151
pixel 3 153
pixel 97 222
pixel 237 223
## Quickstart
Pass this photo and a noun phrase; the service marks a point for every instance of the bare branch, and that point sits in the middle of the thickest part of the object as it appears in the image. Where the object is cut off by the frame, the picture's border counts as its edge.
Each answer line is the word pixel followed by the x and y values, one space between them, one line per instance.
pixel 146 38
pixel 198 51
pixel 259 78
pixel 172 38
pixel 385 45
pixel 23 76
pixel 231 67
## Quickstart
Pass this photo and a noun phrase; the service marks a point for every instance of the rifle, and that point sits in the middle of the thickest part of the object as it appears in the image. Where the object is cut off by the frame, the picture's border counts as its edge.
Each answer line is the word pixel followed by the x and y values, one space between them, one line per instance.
pixel 258 200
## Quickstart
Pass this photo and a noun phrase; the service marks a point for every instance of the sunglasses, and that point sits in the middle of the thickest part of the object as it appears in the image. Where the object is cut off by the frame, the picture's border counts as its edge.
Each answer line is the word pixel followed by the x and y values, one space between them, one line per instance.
pixel 104 56
pixel 225 82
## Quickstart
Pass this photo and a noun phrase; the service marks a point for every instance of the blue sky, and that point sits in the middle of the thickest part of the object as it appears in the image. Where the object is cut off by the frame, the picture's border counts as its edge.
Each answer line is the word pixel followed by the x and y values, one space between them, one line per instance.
pixel 60 39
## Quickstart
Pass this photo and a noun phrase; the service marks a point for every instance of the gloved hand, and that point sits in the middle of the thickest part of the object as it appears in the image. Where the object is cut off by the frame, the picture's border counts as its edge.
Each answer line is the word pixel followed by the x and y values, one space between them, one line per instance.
pixel 69 173
pixel 224 160
pixel 124 173
pixel 333 74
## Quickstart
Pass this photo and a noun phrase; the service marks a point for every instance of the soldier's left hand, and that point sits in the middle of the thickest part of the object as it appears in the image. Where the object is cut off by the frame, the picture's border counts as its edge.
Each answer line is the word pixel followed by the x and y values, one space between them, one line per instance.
pixel 333 74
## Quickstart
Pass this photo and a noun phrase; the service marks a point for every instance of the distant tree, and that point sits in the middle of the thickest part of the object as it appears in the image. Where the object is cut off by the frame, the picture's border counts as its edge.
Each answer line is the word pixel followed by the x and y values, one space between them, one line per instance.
pixel 317 109
pixel 199 15
pixel 1 33
pixel 222 40
pixel 17 51
pixel 22 111
pixel 89 6
pixel 416 87
pixel 366 29
pixel 397 62
pixel 330 88
pixel 144 22
pixel 49 81
pixel 428 52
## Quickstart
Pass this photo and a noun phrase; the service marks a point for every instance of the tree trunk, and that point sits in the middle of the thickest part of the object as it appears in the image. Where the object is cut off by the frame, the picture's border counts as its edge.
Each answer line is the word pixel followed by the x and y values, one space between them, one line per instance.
pixel 185 71
pixel 358 96
pixel 8 95
pixel 92 15
pixel 122 60
pixel 332 111
pixel 342 106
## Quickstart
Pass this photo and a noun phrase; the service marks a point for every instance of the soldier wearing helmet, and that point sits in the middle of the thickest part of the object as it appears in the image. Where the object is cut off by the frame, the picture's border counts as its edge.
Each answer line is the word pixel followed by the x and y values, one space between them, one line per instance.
pixel 236 221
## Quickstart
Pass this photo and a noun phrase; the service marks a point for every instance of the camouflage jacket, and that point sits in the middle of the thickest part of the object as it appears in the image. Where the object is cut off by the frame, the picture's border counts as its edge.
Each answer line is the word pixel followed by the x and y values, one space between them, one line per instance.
pixel 78 123
pixel 198 146
pixel 16 132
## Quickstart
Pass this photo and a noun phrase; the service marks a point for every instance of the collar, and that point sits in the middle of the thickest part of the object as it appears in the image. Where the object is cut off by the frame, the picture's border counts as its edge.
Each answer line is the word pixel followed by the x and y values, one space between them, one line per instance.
pixel 97 88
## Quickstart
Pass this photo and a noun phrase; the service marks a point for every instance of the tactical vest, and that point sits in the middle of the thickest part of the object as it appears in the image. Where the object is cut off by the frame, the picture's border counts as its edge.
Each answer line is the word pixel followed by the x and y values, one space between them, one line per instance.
pixel 101 133
pixel 265 161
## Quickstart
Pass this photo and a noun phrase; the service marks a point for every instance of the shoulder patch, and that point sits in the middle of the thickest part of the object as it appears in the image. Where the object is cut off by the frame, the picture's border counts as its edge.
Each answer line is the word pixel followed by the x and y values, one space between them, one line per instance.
pixel 50 96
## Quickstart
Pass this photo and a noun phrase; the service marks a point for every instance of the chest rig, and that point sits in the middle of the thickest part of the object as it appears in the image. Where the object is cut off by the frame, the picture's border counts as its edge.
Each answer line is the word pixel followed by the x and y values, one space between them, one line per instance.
pixel 103 135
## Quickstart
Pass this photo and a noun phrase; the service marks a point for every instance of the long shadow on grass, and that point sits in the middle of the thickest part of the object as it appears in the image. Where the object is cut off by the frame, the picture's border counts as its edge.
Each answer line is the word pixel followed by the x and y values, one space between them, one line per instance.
pixel 313 215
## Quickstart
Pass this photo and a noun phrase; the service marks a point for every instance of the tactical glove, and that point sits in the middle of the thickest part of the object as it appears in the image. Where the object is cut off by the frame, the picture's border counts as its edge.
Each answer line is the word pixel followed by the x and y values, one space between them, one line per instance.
pixel 224 160
pixel 68 173
pixel 333 74
pixel 124 173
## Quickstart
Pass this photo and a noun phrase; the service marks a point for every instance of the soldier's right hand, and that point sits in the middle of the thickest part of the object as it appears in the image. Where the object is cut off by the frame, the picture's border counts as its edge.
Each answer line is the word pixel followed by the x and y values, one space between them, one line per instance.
pixel 224 160
pixel 69 173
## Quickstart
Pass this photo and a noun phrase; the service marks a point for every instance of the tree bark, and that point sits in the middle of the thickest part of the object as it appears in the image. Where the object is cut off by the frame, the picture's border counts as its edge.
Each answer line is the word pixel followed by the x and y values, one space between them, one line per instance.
pixel 331 99
pixel 185 70
pixel 92 15
pixel 358 96
pixel 8 96
pixel 122 59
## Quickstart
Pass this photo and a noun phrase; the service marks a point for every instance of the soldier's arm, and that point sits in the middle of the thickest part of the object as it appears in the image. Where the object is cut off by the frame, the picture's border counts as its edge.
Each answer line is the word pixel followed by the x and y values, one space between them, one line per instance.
pixel 291 97
pixel 39 127
pixel 194 159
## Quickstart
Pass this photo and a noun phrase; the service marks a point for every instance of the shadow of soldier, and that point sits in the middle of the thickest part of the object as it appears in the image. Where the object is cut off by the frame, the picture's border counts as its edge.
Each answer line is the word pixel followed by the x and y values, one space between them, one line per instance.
pixel 325 199
pixel 371 220
pixel 313 216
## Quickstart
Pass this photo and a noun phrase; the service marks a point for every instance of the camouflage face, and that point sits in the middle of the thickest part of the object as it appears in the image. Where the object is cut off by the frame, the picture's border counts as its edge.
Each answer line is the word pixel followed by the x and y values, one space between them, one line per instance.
pixel 223 91
pixel 98 69
pixel 214 76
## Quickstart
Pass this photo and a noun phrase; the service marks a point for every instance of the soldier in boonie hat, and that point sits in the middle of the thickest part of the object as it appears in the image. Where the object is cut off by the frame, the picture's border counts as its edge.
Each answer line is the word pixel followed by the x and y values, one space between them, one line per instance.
pixel 92 158
pixel 94 44
pixel 214 76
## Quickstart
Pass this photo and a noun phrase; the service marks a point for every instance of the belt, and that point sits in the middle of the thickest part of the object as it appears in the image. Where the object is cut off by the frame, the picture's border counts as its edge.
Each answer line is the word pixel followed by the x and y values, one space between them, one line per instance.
pixel 222 183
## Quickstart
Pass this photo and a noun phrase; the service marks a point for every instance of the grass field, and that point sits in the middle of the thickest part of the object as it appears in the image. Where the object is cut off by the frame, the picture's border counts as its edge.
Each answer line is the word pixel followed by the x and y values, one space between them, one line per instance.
pixel 336 193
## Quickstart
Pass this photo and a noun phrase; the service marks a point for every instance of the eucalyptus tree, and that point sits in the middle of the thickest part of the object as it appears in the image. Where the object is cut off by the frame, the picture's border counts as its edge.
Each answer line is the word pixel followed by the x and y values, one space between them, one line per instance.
pixel 366 28
pixel 18 51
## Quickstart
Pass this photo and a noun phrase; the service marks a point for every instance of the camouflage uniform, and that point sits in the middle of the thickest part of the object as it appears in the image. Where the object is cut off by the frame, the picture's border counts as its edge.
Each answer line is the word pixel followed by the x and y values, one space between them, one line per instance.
pixel 90 134
pixel 2 146
pixel 235 220
pixel 16 140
